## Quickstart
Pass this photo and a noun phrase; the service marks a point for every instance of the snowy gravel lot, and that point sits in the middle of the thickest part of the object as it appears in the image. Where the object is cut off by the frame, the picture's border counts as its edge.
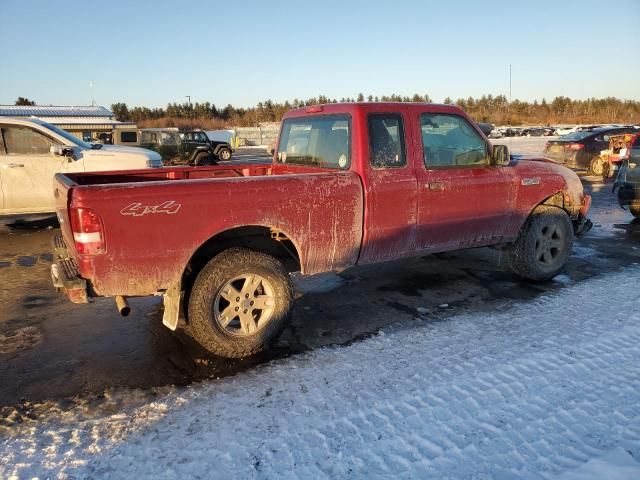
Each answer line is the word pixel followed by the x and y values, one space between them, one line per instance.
pixel 535 390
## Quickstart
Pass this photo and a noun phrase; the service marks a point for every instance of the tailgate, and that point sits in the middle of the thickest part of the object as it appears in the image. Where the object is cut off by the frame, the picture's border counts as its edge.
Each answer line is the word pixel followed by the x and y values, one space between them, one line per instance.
pixel 62 191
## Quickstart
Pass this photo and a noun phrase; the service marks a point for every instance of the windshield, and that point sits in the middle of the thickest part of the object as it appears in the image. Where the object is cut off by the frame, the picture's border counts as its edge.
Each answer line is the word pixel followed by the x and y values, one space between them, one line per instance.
pixel 66 135
pixel 321 141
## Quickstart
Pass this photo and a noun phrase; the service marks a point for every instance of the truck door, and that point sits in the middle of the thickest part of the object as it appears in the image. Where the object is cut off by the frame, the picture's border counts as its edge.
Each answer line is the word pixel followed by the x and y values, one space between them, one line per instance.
pixel 464 200
pixel 27 169
pixel 390 191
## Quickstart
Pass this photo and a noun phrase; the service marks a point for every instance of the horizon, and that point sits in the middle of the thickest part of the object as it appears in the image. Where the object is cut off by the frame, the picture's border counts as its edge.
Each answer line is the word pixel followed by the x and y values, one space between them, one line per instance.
pixel 258 52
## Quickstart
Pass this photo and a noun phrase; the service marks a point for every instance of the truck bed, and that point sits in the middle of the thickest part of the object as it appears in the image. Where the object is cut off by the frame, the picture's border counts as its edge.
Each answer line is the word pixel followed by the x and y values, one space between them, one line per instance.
pixel 148 245
pixel 185 173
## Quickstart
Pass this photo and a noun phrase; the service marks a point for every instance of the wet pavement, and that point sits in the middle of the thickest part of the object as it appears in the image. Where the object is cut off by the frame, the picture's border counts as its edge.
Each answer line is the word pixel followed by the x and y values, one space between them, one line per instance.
pixel 51 349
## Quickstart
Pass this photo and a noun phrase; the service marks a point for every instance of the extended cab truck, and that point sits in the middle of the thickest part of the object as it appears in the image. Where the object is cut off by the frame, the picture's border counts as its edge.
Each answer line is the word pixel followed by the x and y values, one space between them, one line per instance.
pixel 33 151
pixel 349 184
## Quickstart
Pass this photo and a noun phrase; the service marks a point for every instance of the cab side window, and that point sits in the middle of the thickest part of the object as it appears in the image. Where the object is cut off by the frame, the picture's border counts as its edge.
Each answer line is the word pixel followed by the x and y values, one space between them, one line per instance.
pixel 25 141
pixel 386 141
pixel 450 141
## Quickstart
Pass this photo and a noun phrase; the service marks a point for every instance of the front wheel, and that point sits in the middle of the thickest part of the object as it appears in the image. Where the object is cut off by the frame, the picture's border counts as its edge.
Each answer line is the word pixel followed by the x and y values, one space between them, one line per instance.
pixel 239 303
pixel 224 154
pixel 542 249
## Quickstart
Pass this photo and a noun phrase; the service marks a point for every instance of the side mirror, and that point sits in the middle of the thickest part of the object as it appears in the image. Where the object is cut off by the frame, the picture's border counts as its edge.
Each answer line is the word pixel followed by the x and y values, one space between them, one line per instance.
pixel 61 151
pixel 500 155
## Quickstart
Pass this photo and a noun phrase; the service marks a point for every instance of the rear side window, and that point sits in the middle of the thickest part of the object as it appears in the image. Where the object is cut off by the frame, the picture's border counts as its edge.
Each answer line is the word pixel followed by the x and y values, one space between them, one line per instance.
pixel 322 141
pixel 450 141
pixel 25 141
pixel 386 141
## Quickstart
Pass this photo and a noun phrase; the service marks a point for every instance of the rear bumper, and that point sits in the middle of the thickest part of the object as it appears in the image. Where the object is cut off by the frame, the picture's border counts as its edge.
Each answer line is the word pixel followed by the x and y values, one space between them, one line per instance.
pixel 64 274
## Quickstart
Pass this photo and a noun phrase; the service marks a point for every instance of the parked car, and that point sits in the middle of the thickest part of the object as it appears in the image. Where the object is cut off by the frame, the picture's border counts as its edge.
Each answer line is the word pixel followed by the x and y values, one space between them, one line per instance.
pixel 353 183
pixel 560 131
pixel 33 151
pixel 628 179
pixel 221 150
pixel 581 150
pixel 175 150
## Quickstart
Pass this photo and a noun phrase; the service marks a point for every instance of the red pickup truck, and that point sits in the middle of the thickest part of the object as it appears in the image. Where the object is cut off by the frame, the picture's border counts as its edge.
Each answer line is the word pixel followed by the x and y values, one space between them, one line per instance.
pixel 349 184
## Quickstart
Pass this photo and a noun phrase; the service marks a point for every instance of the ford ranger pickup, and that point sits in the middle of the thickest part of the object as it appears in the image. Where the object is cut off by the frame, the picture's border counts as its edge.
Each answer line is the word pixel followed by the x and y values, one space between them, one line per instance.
pixel 349 184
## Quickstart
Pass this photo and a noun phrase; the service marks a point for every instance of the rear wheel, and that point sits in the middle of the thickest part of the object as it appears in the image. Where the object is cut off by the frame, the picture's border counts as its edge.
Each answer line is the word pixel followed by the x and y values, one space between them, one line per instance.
pixel 204 158
pixel 224 154
pixel 239 303
pixel 542 249
pixel 597 166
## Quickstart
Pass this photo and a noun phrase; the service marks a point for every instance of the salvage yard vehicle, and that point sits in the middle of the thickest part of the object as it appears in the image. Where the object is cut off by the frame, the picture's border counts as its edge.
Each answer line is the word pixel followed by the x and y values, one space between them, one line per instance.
pixel 174 150
pixel 628 180
pixel 349 184
pixel 581 150
pixel 609 160
pixel 33 151
pixel 221 150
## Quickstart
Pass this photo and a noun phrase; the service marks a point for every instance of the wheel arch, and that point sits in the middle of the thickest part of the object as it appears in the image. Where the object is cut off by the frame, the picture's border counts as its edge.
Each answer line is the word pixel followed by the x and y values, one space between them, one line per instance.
pixel 270 240
pixel 558 199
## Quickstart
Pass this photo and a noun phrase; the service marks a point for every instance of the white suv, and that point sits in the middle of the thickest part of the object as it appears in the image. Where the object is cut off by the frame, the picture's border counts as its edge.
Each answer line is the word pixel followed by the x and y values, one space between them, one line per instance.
pixel 33 151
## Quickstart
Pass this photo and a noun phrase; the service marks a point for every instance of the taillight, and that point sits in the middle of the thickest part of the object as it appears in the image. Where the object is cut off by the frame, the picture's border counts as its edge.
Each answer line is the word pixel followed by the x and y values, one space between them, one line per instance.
pixel 87 231
pixel 574 146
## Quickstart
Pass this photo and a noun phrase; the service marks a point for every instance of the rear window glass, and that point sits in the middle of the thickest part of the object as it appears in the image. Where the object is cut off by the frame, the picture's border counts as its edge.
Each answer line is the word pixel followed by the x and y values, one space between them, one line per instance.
pixel 576 135
pixel 322 141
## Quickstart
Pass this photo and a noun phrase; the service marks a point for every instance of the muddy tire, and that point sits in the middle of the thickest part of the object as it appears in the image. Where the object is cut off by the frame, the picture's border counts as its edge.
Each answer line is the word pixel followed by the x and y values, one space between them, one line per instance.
pixel 543 246
pixel 635 210
pixel 596 167
pixel 240 302
pixel 224 154
pixel 606 170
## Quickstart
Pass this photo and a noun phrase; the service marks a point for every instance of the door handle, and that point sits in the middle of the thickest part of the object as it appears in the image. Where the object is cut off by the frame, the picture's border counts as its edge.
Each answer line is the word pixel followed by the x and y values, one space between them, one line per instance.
pixel 13 165
pixel 437 186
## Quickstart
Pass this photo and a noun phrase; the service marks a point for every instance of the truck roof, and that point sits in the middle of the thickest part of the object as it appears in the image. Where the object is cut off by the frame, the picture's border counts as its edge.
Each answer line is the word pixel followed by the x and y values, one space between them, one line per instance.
pixel 366 107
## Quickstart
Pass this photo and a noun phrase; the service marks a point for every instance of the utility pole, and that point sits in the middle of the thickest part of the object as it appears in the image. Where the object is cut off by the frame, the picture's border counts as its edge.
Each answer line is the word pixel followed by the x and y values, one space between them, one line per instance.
pixel 509 84
pixel 190 109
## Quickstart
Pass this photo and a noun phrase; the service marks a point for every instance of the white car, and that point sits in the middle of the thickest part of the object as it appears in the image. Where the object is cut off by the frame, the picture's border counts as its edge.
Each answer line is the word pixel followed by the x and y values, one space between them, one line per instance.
pixel 33 151
pixel 560 131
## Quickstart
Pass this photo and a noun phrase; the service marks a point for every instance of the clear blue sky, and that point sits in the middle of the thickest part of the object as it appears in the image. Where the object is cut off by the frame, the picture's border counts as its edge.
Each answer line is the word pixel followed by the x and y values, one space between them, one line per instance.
pixel 241 52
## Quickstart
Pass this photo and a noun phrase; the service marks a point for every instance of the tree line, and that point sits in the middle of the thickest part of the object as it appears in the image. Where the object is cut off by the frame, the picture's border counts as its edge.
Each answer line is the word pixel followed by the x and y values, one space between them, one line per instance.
pixel 488 108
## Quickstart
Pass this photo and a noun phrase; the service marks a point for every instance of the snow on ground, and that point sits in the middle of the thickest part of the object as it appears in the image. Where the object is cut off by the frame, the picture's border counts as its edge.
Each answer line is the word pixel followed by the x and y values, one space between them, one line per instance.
pixel 538 390
pixel 524 145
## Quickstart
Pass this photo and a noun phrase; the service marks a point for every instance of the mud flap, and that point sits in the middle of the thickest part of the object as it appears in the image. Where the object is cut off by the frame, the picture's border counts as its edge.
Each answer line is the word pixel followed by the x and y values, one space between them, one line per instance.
pixel 172 300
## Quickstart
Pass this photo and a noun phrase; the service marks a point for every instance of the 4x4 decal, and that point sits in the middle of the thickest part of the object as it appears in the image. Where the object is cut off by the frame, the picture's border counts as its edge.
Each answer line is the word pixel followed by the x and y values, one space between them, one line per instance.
pixel 137 209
